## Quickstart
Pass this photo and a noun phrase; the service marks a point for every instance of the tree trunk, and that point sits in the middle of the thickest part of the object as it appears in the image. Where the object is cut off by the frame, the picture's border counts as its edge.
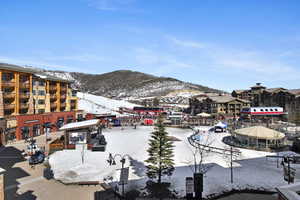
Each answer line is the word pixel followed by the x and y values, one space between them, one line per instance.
pixel 159 177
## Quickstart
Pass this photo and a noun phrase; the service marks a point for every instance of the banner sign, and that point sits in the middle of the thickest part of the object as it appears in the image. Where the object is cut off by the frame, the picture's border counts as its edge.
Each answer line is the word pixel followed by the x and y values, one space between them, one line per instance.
pixel 189 185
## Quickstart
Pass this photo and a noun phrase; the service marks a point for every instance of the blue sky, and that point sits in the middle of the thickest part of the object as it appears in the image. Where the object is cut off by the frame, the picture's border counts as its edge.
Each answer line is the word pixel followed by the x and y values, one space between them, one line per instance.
pixel 225 44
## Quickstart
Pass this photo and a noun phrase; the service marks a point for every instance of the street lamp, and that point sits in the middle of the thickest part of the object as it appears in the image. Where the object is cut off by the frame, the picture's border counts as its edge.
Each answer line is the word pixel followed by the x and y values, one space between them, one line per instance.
pixel 111 160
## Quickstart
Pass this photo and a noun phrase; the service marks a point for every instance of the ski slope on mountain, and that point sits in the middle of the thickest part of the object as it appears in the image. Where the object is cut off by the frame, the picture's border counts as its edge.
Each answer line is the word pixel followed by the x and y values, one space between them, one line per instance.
pixel 97 104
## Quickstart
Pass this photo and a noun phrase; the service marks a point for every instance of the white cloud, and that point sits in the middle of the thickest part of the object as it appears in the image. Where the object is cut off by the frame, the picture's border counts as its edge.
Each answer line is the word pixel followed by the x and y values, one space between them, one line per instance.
pixel 256 64
pixel 185 43
pixel 110 5
pixel 160 63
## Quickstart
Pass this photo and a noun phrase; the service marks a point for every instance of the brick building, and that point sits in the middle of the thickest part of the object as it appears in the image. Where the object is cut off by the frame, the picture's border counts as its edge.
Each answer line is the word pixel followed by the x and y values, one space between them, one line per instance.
pixel 32 93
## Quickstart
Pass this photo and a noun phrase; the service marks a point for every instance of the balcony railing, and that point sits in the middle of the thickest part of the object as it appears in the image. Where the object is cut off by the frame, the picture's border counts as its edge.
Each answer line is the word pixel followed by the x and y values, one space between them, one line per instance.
pixel 63 105
pixel 64 88
pixel 9 95
pixel 24 105
pixel 52 87
pixel 53 105
pixel 8 83
pixel 25 84
pixel 9 106
pixel 63 96
pixel 53 96
pixel 24 95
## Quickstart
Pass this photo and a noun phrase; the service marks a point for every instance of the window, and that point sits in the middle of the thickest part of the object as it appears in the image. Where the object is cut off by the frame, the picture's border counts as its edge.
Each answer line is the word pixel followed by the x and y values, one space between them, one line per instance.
pixel 254 110
pixel 33 92
pixel 266 110
pixel 41 83
pixel 41 111
pixel 74 93
pixel 271 110
pixel 7 76
pixel 276 109
pixel 261 110
pixel 42 92
pixel 41 101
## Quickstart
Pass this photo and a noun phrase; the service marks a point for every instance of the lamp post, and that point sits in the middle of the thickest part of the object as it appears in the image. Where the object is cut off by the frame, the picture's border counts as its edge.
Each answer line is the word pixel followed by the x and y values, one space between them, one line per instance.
pixel 111 160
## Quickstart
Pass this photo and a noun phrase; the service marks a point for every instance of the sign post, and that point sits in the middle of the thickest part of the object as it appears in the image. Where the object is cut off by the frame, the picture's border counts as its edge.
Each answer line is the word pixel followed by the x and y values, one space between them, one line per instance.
pixel 198 185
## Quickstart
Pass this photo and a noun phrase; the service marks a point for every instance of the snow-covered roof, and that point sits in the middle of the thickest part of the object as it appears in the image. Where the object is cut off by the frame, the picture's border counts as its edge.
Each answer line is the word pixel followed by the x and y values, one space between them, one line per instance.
pixel 2 170
pixel 260 132
pixel 203 114
pixel 221 124
pixel 78 125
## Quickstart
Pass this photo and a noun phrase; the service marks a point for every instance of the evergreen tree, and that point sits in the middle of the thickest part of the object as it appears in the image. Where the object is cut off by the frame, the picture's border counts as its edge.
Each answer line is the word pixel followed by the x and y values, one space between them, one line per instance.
pixel 160 161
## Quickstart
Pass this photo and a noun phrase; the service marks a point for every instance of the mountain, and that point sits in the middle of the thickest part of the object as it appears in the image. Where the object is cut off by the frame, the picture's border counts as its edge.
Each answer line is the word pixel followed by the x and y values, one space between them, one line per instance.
pixel 128 84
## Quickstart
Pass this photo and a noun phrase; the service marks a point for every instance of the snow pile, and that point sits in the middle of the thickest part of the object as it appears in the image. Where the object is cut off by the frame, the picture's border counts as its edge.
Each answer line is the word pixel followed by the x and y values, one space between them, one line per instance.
pixel 97 104
pixel 252 169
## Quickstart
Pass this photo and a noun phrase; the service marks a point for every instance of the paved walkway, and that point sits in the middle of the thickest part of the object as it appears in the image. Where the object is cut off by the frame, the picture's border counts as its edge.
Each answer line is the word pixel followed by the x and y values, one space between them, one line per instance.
pixel 25 183
pixel 245 196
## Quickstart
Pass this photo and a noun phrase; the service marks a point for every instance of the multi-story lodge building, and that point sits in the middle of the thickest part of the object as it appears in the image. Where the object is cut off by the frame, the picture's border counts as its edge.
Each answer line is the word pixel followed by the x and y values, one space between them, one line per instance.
pixel 224 105
pixel 259 95
pixel 33 102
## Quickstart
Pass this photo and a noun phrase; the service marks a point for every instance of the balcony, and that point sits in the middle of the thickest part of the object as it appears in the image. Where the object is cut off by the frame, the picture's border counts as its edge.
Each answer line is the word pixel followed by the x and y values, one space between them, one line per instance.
pixel 63 96
pixel 24 105
pixel 64 88
pixel 8 106
pixel 25 84
pixel 52 87
pixel 24 95
pixel 63 105
pixel 10 83
pixel 9 95
pixel 53 96
pixel 53 105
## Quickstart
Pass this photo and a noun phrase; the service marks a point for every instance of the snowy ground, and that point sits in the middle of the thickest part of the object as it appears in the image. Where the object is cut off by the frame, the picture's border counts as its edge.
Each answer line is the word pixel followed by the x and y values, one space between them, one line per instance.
pixel 252 169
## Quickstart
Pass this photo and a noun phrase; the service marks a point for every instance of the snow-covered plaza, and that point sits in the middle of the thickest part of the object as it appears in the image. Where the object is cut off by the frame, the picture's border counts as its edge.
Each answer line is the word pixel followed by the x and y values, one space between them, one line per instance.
pixel 251 169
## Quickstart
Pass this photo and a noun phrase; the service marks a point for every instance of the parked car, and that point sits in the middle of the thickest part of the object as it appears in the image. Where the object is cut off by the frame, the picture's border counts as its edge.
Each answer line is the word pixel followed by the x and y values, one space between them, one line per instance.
pixel 32 149
pixel 37 158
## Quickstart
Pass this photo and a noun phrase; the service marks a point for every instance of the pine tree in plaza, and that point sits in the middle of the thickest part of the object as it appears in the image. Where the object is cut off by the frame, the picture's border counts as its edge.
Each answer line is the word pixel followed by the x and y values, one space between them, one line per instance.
pixel 160 161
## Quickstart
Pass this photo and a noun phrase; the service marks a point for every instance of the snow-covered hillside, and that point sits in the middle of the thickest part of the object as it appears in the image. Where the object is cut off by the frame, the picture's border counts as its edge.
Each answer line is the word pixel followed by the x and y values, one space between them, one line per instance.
pixel 97 104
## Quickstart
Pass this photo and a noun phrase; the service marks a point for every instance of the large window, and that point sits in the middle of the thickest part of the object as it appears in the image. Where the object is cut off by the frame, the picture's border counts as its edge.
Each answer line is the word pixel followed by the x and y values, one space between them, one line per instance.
pixel 42 92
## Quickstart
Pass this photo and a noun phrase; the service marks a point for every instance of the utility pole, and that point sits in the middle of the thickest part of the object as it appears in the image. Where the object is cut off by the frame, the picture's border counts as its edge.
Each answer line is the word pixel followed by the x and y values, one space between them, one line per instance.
pixel 82 154
pixel 289 171
pixel 231 169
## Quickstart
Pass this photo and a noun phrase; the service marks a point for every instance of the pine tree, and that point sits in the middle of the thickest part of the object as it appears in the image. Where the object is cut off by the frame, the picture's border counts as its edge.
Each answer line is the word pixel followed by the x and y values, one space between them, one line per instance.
pixel 160 161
